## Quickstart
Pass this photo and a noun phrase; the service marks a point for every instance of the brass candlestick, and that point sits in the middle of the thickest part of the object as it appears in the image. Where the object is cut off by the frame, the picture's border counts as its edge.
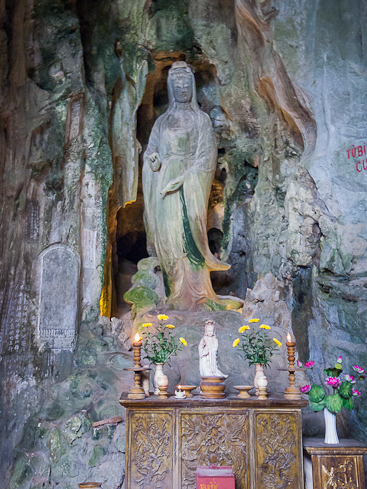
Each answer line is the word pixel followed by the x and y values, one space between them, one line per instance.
pixel 137 392
pixel 291 392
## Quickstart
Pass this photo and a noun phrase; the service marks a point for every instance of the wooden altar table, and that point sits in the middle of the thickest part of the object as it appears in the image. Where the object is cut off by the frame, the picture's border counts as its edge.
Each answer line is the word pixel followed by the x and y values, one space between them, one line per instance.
pixel 167 439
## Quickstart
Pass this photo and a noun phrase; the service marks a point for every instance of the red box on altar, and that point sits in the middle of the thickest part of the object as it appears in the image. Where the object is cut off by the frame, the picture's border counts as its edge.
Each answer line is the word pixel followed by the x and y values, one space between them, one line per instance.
pixel 214 477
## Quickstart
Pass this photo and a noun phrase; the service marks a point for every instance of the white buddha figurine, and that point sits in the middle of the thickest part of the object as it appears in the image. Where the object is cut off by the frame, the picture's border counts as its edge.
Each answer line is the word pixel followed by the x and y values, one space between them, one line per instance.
pixel 208 348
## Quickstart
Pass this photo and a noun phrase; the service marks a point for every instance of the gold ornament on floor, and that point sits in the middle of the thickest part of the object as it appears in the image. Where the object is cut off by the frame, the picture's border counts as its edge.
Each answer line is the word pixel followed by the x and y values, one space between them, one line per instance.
pixel 90 485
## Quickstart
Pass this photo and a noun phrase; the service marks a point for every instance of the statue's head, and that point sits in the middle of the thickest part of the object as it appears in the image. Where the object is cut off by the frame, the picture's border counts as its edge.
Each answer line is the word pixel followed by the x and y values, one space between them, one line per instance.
pixel 180 76
pixel 209 328
pixel 181 84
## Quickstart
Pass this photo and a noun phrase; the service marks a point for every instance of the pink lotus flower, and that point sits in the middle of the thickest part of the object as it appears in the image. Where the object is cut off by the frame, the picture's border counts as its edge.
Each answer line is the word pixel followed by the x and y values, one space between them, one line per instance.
pixel 360 370
pixel 349 378
pixel 340 359
pixel 299 364
pixel 333 382
pixel 356 393
pixel 310 364
pixel 305 389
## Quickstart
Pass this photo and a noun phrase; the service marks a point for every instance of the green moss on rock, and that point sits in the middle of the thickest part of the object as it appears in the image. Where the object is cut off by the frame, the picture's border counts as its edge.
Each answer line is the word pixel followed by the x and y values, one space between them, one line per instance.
pixel 141 297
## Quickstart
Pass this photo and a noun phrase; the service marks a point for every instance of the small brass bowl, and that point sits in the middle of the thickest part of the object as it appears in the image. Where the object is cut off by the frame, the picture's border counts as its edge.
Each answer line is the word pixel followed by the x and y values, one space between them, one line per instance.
pixel 187 389
pixel 243 391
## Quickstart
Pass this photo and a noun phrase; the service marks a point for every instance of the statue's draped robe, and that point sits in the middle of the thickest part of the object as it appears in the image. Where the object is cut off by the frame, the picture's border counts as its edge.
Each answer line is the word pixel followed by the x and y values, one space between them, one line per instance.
pixel 185 142
pixel 208 348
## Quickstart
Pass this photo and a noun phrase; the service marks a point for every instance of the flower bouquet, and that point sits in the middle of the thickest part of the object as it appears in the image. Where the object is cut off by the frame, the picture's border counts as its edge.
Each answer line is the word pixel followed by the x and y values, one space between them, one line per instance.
pixel 159 347
pixel 256 345
pixel 342 394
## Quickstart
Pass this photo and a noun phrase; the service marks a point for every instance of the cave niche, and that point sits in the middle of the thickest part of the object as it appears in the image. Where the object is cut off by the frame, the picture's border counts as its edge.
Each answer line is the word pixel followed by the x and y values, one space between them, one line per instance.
pixel 127 230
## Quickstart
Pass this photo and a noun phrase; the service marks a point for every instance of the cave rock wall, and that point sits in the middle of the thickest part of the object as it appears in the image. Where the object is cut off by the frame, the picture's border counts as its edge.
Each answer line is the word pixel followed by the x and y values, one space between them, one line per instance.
pixel 81 84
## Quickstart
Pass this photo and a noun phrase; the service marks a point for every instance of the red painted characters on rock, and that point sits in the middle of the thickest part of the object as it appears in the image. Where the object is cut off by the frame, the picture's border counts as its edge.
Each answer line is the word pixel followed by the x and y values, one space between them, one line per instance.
pixel 358 151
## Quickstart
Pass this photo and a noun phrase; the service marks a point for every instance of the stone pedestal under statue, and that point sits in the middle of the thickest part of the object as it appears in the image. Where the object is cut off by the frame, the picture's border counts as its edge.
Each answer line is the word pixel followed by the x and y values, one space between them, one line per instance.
pixel 167 439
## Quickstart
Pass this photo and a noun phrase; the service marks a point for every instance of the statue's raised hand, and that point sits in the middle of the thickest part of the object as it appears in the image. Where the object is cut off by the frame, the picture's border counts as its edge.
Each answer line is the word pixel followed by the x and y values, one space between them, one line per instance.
pixel 172 186
pixel 154 161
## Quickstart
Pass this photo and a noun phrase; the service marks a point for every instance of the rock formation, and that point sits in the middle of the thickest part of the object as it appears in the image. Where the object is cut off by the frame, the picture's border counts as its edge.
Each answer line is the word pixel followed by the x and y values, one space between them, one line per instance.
pixel 81 85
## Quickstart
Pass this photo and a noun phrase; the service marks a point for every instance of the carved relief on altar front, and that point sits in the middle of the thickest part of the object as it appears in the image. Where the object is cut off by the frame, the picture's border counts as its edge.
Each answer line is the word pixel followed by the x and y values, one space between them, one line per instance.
pixel 339 473
pixel 277 462
pixel 151 450
pixel 214 438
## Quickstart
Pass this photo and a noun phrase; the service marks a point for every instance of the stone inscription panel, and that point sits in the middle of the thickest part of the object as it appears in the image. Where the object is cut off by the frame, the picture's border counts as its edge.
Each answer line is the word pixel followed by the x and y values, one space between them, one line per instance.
pixel 89 248
pixel 33 219
pixel 277 451
pixel 219 438
pixel 13 335
pixel 58 309
pixel 151 452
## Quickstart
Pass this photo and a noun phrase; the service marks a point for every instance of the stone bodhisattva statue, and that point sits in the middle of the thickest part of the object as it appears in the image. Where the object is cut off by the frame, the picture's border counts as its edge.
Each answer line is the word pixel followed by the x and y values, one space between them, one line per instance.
pixel 178 172
pixel 208 348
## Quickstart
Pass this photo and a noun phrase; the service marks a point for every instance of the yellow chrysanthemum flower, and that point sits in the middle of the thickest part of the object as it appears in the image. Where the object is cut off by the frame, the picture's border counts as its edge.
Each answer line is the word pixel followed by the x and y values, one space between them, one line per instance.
pixel 162 317
pixel 235 343
pixel 254 320
pixel 183 341
pixel 146 325
pixel 170 326
pixel 265 326
pixel 277 342
pixel 243 328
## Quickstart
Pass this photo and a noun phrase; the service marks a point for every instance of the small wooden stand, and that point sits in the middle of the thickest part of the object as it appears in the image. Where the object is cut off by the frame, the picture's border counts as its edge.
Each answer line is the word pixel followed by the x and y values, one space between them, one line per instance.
pixel 339 466
pixel 262 393
pixel 163 392
pixel 243 394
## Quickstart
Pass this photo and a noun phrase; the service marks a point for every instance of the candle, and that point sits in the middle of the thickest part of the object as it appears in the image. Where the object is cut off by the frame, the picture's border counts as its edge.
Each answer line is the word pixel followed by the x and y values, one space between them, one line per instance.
pixel 137 348
pixel 289 338
pixel 137 338
pixel 179 388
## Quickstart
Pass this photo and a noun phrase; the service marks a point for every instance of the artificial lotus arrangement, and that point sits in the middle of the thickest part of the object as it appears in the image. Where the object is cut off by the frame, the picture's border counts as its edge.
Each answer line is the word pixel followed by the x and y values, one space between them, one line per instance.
pixel 256 345
pixel 160 346
pixel 342 386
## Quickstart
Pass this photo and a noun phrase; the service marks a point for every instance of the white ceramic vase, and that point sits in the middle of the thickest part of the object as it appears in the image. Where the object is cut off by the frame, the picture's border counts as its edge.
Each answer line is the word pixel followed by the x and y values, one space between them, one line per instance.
pixel 331 435
pixel 158 373
pixel 258 373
